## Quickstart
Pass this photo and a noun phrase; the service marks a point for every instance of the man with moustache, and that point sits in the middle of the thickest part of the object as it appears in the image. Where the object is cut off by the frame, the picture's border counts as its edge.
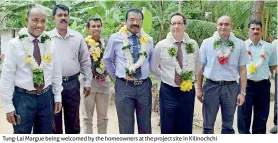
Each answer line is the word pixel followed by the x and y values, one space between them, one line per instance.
pixel 263 58
pixel 28 101
pixel 100 91
pixel 176 103
pixel 221 55
pixel 74 58
pixel 131 50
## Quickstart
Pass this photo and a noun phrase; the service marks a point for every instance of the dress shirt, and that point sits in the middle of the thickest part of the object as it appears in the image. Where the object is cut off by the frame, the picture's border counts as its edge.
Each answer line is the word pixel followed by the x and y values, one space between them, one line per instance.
pixel 16 72
pixel 263 71
pixel 161 63
pixel 73 54
pixel 114 54
pixel 275 44
pixel 213 69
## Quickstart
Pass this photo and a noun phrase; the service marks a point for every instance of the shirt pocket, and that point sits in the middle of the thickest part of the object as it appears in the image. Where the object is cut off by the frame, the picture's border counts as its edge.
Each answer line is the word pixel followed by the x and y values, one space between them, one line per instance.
pixel 74 55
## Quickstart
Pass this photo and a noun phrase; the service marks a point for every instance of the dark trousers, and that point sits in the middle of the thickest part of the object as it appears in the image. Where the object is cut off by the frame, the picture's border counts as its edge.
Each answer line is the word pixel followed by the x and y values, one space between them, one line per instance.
pixel 275 103
pixel 215 96
pixel 257 99
pixel 130 98
pixel 35 111
pixel 70 103
pixel 176 110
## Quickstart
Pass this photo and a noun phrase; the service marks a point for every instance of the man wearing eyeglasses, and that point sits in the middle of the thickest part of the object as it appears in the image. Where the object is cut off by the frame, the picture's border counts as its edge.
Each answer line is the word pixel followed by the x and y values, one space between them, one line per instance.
pixel 131 50
pixel 221 55
pixel 176 103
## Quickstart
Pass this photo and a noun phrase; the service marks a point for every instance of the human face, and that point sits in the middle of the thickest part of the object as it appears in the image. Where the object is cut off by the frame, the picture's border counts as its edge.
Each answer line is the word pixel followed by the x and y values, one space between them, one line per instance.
pixel 224 26
pixel 134 22
pixel 177 26
pixel 61 19
pixel 36 22
pixel 255 31
pixel 95 28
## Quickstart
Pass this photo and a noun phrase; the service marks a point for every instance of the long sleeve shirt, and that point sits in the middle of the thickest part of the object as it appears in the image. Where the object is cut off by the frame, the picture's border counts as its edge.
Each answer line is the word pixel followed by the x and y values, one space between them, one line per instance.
pixel 73 54
pixel 16 72
pixel 114 55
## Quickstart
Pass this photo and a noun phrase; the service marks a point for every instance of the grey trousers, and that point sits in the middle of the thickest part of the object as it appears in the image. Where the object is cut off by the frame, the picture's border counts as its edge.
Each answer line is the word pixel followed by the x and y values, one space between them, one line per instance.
pixel 88 104
pixel 215 96
pixel 130 98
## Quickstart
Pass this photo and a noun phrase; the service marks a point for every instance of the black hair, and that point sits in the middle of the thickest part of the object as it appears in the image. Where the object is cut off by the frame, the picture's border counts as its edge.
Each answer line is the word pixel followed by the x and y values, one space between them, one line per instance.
pixel 257 22
pixel 60 6
pixel 178 14
pixel 94 19
pixel 135 10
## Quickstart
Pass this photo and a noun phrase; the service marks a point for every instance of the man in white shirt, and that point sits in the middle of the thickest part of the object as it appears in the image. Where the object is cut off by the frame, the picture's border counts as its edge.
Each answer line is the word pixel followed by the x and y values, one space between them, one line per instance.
pixel 31 75
pixel 176 61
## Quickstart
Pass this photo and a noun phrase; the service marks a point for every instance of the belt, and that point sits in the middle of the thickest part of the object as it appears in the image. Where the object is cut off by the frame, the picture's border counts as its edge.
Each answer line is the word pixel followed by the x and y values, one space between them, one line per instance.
pixel 69 78
pixel 133 82
pixel 257 81
pixel 33 92
pixel 222 82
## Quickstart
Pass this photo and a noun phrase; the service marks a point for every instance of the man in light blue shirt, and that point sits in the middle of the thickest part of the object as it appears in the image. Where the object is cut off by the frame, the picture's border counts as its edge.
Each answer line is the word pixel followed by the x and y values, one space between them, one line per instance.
pixel 263 58
pixel 274 129
pixel 221 55
pixel 129 62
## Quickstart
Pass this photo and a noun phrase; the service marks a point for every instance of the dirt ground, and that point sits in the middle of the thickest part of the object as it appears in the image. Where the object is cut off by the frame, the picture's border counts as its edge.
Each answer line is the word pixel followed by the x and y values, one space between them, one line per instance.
pixel 6 128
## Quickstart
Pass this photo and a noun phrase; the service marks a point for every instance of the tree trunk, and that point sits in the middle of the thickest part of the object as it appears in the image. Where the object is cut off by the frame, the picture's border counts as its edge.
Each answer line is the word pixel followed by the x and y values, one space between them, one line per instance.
pixel 179 6
pixel 258 10
pixel 161 31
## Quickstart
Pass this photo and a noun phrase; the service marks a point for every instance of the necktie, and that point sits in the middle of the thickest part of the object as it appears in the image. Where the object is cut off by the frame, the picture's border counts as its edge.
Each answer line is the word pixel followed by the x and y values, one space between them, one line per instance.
pixel 37 53
pixel 179 58
pixel 135 55
pixel 37 56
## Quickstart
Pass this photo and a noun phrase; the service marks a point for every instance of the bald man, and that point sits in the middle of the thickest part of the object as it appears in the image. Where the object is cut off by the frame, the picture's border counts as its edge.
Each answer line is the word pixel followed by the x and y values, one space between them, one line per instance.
pixel 221 55
pixel 27 91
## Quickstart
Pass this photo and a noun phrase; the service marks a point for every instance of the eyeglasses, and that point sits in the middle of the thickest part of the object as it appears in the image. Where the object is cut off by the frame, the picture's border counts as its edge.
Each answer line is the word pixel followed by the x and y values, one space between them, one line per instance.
pixel 133 20
pixel 178 23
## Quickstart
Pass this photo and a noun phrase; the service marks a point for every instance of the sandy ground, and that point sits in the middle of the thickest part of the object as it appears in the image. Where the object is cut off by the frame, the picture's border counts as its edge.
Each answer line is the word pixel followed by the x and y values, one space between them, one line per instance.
pixel 6 128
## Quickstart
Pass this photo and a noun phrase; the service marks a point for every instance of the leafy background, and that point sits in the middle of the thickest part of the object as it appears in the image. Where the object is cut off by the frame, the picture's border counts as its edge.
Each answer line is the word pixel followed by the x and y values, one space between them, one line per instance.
pixel 157 15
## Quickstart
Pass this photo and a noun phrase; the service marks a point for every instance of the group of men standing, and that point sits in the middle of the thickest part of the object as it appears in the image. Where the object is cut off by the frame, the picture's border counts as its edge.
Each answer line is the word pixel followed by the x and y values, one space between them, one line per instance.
pixel 40 76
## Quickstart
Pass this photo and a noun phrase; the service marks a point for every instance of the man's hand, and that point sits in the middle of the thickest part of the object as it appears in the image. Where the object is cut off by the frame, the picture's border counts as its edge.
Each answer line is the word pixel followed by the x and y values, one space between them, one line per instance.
pixel 58 107
pixel 240 99
pixel 95 74
pixel 10 118
pixel 199 93
pixel 87 91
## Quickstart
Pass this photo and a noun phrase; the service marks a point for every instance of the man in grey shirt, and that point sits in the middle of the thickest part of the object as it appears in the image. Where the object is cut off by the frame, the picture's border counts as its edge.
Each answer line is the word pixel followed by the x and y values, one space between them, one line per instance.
pixel 74 58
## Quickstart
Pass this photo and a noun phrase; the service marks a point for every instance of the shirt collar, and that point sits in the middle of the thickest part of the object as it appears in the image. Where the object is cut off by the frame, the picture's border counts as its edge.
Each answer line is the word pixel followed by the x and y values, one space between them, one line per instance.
pixel 250 42
pixel 31 38
pixel 56 33
pixel 130 34
pixel 184 39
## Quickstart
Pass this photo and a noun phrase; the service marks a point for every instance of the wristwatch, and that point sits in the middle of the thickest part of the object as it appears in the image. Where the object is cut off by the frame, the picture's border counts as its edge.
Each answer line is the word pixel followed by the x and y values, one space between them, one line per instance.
pixel 243 93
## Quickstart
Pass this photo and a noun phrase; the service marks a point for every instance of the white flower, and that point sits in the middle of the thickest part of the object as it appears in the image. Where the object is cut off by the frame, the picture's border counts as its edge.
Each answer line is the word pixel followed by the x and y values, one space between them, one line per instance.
pixel 260 62
pixel 190 59
pixel 99 71
pixel 207 14
pixel 129 64
pixel 33 62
